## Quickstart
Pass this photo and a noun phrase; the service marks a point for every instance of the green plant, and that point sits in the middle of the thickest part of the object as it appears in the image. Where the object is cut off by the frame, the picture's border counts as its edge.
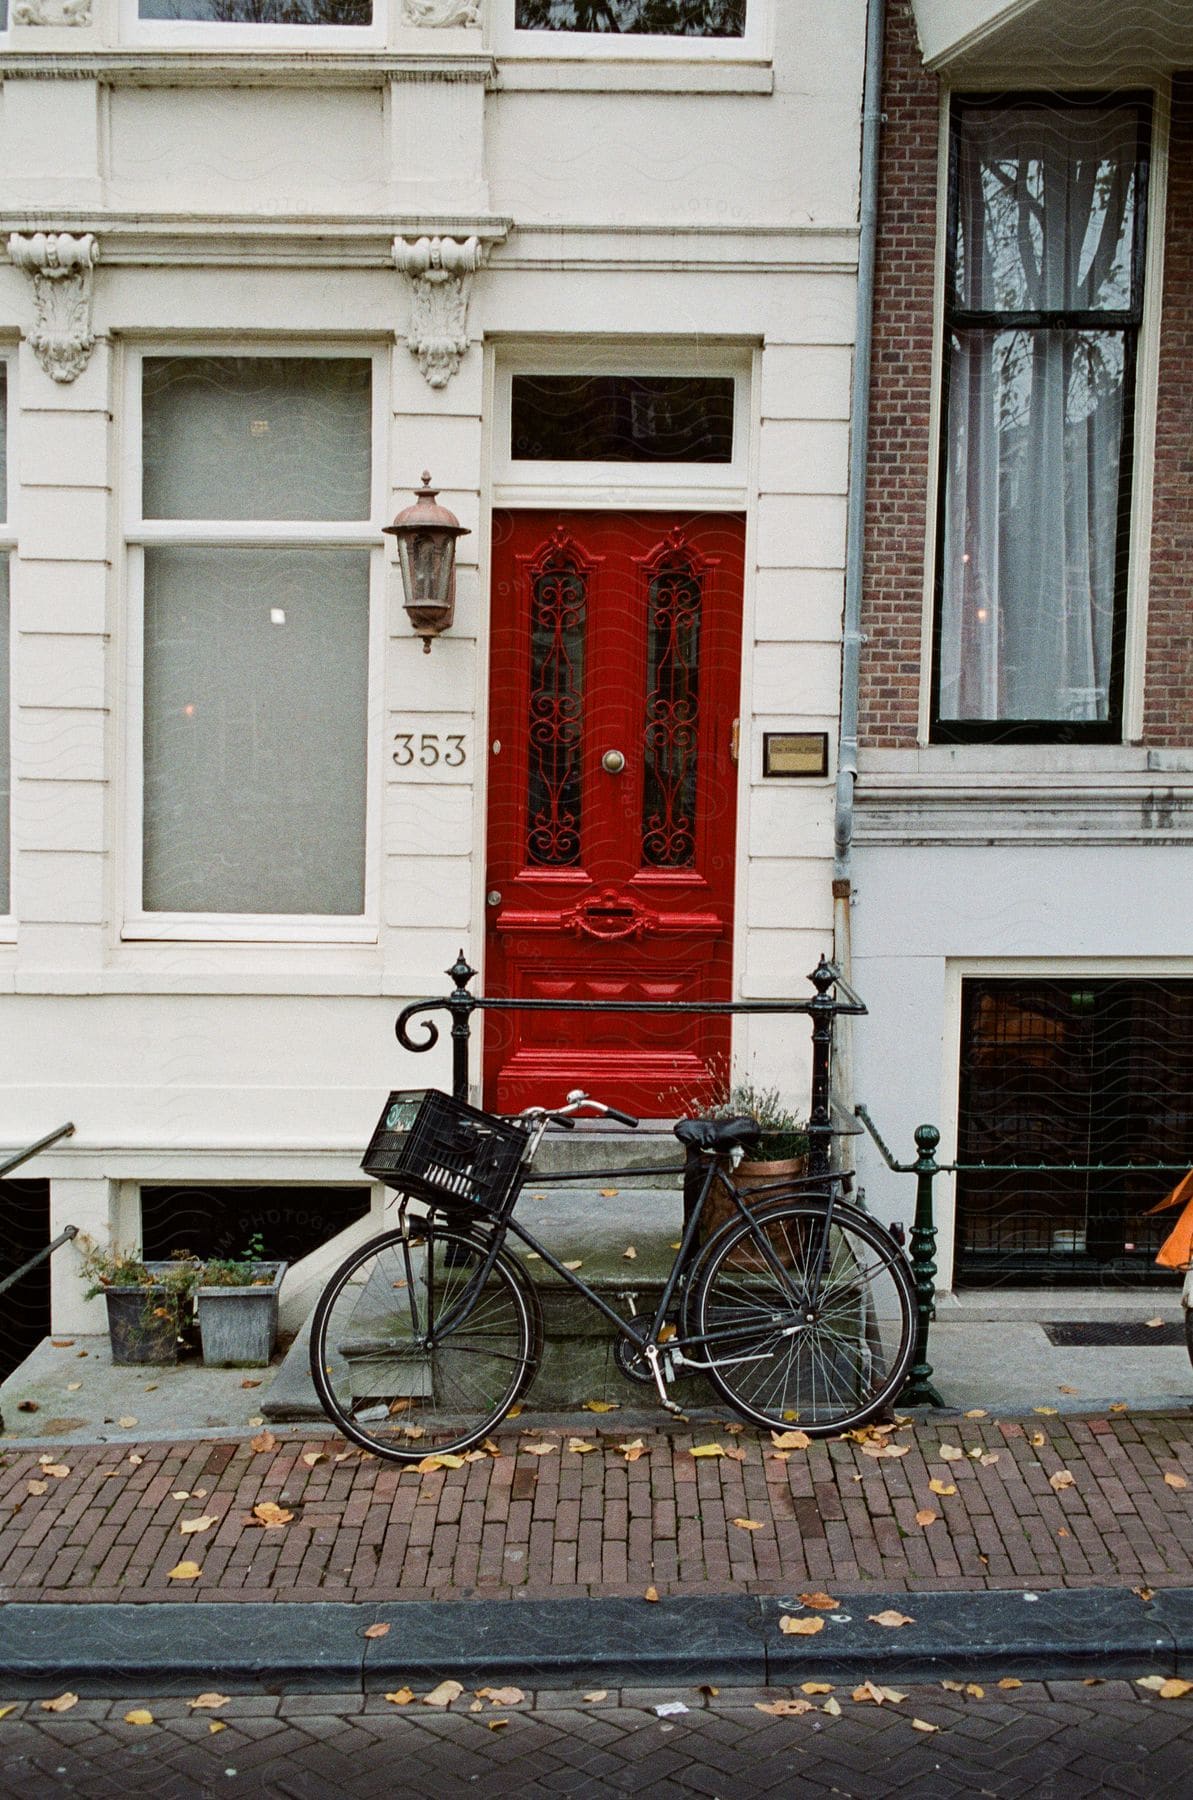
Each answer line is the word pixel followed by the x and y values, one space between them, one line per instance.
pixel 167 1290
pixel 238 1271
pixel 784 1134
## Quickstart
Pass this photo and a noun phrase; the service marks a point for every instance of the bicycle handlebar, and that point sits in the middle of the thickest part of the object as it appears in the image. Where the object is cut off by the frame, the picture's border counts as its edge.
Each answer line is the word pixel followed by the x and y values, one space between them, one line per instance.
pixel 577 1100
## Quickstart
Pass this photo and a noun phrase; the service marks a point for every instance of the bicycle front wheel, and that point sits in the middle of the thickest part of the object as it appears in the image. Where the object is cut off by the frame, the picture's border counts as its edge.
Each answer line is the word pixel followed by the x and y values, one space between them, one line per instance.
pixel 423 1343
pixel 802 1320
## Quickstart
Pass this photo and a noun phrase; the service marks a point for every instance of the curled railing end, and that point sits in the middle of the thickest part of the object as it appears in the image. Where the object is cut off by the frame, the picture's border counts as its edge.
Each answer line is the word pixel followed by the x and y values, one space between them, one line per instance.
pixel 70 1231
pixel 427 1026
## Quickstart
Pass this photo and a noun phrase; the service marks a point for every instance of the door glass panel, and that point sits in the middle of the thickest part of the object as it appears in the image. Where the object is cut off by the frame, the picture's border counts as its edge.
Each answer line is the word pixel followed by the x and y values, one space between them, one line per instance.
pixel 558 622
pixel 672 718
pixel 622 418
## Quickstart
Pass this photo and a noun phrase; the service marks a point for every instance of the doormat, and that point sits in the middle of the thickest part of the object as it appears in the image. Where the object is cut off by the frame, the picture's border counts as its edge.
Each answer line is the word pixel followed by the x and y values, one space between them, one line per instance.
pixel 1099 1333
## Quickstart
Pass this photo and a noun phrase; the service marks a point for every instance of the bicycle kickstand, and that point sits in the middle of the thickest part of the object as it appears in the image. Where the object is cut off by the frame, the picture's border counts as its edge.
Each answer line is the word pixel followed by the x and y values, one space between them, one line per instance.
pixel 651 1352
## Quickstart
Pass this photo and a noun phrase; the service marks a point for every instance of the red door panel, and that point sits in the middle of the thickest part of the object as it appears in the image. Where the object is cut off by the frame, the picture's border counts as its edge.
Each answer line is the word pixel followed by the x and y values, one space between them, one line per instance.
pixel 612 800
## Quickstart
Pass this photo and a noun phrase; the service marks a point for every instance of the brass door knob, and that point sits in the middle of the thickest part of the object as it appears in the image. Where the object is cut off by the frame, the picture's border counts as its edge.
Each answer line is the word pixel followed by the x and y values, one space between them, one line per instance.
pixel 613 762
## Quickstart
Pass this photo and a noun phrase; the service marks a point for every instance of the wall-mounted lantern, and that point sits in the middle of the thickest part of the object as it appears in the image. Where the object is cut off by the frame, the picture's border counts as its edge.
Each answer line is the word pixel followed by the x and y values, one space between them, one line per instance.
pixel 426 535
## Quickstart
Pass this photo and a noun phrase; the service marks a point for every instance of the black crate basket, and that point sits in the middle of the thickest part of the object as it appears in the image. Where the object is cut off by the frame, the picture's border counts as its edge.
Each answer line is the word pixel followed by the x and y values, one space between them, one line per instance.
pixel 453 1156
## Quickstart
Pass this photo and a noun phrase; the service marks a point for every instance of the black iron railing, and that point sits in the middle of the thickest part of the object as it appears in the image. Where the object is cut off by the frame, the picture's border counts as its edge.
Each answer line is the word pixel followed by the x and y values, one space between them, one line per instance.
pixel 823 1009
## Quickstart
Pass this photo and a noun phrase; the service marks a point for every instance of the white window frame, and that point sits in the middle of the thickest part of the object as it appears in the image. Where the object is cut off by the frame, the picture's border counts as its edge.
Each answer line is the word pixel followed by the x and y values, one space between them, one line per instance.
pixel 594 485
pixel 8 647
pixel 208 34
pixel 139 534
pixel 755 44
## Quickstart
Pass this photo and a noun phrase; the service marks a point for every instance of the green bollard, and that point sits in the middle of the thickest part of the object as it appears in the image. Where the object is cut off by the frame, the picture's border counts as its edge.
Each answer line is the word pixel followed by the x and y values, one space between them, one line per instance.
pixel 919 1390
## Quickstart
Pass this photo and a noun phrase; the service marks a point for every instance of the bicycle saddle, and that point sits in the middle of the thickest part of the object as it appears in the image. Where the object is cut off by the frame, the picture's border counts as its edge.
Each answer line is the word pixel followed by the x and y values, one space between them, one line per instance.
pixel 719 1135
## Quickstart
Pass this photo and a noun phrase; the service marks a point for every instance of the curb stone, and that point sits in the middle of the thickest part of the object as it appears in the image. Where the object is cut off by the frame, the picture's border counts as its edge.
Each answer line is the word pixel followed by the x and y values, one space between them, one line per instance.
pixel 299 1647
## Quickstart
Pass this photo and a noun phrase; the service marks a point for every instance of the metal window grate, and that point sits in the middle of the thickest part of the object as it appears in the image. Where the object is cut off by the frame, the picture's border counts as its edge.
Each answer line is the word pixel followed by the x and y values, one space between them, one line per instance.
pixel 1094 1334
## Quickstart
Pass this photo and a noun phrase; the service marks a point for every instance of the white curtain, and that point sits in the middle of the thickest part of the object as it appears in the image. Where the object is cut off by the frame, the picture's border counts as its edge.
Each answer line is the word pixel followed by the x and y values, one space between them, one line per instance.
pixel 1046 201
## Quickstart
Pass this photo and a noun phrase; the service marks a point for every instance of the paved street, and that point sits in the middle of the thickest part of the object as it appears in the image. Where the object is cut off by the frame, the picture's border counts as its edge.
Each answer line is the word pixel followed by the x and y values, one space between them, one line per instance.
pixel 1057 1741
pixel 969 1503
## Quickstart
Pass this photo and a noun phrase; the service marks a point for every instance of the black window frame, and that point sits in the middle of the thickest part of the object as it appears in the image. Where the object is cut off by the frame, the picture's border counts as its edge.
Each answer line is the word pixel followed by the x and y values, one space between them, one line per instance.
pixel 958 320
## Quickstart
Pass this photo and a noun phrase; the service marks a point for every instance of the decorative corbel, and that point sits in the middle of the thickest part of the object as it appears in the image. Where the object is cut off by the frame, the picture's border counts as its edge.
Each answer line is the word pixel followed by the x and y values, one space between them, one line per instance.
pixel 440 271
pixel 60 268
pixel 441 12
pixel 52 12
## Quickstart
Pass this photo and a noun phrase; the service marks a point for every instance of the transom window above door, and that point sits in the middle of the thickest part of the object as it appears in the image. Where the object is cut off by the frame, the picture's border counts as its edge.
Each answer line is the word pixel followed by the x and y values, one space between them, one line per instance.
pixel 646 18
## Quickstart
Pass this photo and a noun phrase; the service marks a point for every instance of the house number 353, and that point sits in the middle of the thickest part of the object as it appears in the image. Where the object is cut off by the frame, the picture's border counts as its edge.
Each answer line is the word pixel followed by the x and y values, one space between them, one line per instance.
pixel 429 748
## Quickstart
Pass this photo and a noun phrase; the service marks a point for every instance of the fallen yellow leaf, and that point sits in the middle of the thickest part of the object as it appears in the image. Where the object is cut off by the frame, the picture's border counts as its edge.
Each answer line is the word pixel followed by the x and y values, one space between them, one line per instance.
pixel 815 1687
pixel 747 1524
pixel 375 1631
pixel 941 1487
pixel 1153 1324
pixel 1175 1481
pixel 214 1725
pixel 441 1460
pixel 311 1457
pixel 184 1571
pixel 138 1716
pixel 36 1487
pixel 209 1702
pixel 793 1627
pixel 820 1602
pixel 1061 1479
pixel 135 1459
pixel 790 1440
pixel 832 1708
pixel 1118 1406
pixel 501 1696
pixel 951 1452
pixel 203 1524
pixel 923 1725
pixel 652 1593
pixel 63 1703
pixel 596 1695
pixel 888 1616
pixel 540 1449
pixel 707 1450
pixel 976 1412
pixel 609 1193
pixel 988 1458
pixel 783 1709
pixel 926 1516
pixel 871 1690
pixel 5 1710
pixel 270 1515
pixel 1049 1411
pixel 600 1406
pixel 1010 1681
pixel 263 1442
pixel 579 1447
pixel 574 1265
pixel 401 1697
pixel 179 1493
pixel 629 1254
pixel 444 1694
pixel 1175 1689
pixel 1037 1439
pixel 497 1724
pixel 633 1451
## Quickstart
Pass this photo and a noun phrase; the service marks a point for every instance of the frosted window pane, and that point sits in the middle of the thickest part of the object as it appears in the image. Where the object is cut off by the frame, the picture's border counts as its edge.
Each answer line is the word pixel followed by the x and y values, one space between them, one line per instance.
pixel 257 437
pixel 255 720
pixel 5 753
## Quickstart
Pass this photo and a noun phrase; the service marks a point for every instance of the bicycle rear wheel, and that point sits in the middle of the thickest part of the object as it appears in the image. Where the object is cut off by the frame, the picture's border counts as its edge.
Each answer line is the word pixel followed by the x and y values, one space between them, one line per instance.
pixel 423 1343
pixel 799 1328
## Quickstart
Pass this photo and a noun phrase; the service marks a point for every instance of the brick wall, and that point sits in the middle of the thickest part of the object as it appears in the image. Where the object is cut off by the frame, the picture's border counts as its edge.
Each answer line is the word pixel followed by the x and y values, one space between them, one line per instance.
pixel 897 526
pixel 1168 710
pixel 900 448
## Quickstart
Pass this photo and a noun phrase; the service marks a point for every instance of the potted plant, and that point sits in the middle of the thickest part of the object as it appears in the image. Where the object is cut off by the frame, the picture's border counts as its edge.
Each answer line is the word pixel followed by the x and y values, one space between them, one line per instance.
pixel 148 1303
pixel 237 1301
pixel 782 1149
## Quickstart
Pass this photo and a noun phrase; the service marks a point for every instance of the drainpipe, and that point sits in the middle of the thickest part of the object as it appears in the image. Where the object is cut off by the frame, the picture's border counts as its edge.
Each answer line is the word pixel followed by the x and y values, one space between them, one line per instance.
pixel 855 542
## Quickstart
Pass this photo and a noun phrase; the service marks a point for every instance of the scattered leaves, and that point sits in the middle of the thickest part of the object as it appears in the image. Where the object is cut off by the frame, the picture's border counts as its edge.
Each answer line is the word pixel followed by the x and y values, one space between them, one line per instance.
pixel 138 1716
pixel 889 1617
pixel 790 1440
pixel 261 1444
pixel 444 1694
pixel 819 1602
pixel 270 1514
pixel 441 1460
pixel 375 1631
pixel 501 1696
pixel 870 1690
pixel 184 1571
pixel 799 1627
pixel 783 1709
pixel 539 1449
pixel 63 1703
pixel 202 1524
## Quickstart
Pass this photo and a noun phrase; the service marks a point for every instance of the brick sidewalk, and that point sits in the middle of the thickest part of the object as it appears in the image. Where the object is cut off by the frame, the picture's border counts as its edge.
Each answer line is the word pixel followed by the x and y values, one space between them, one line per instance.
pixel 565 1524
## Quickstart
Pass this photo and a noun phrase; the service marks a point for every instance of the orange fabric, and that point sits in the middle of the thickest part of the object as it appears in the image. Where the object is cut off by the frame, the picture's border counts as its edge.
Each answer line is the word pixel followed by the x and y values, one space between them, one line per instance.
pixel 1176 1252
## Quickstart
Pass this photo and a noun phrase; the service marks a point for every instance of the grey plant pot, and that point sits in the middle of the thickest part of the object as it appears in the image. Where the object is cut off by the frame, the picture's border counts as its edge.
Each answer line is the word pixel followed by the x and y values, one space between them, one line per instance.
pixel 239 1325
pixel 135 1332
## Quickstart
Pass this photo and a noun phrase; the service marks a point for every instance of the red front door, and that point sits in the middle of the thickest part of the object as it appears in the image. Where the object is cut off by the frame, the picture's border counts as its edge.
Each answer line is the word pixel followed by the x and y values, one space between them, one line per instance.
pixel 612 801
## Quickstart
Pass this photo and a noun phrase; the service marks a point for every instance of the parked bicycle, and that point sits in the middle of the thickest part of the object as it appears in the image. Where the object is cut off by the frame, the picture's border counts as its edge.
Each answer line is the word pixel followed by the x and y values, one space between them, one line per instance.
pixel 799 1309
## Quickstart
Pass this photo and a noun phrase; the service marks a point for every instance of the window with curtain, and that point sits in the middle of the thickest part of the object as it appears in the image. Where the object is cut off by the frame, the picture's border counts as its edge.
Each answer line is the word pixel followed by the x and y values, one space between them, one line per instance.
pixel 1046 223
pixel 256 500
pixel 5 641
